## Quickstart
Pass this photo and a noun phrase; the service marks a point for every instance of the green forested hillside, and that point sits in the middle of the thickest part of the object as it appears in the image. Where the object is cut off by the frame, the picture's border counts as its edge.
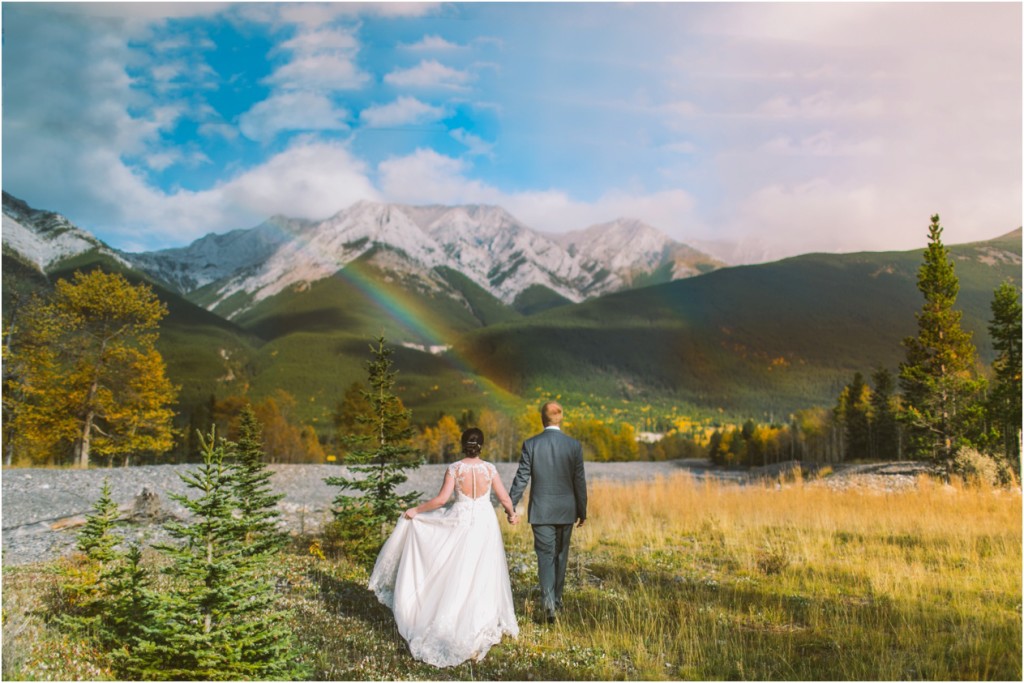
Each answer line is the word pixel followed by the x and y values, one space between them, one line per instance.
pixel 754 339
pixel 317 335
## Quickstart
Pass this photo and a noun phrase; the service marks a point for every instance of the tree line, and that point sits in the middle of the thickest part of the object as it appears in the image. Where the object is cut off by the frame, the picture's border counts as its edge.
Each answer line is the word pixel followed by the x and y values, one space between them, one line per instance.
pixel 84 384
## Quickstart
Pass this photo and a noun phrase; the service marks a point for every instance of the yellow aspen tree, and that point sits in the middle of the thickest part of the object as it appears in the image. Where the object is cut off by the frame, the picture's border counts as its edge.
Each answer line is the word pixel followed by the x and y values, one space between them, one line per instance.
pixel 449 438
pixel 90 378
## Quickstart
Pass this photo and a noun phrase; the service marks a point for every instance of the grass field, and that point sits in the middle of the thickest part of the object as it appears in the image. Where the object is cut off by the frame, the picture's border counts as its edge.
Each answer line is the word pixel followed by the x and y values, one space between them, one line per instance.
pixel 681 579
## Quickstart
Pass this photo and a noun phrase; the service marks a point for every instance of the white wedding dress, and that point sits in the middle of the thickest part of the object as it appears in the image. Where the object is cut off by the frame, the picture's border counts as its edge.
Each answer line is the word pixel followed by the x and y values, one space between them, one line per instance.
pixel 445 577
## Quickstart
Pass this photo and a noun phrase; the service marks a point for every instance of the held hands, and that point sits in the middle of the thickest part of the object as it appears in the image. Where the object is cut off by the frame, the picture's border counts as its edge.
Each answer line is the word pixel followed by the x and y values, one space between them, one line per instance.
pixel 513 517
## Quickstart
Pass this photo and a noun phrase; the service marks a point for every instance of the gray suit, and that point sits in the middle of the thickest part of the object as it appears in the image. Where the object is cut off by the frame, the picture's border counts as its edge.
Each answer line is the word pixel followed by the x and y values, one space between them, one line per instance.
pixel 558 497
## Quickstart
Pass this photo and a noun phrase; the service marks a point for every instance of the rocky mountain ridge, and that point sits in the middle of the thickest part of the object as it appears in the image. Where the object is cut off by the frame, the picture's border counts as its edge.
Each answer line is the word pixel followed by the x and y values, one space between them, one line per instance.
pixel 484 243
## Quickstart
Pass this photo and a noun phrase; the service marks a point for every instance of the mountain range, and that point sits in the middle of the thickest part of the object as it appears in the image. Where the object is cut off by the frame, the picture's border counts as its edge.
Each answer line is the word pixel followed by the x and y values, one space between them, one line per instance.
pixel 486 244
pixel 484 310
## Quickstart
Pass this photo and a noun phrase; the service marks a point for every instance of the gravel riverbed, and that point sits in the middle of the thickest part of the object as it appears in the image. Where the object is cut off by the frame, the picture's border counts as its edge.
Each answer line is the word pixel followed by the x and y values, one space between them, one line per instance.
pixel 42 509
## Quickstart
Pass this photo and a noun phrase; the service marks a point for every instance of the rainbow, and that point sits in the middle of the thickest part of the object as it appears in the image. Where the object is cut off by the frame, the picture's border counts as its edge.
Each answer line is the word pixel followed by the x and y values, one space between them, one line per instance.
pixel 412 314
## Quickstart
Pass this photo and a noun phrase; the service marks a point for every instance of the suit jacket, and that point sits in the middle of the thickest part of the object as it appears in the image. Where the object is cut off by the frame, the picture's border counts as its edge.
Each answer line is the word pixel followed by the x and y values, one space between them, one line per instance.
pixel 554 463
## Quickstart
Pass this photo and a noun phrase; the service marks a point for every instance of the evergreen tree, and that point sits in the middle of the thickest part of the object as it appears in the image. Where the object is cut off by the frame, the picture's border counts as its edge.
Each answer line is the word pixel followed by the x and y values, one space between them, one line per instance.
pixel 382 458
pixel 885 438
pixel 348 416
pixel 128 622
pixel 251 483
pixel 113 604
pixel 856 419
pixel 938 377
pixel 220 621
pixel 715 453
pixel 1005 397
pixel 85 585
pixel 96 538
pixel 839 422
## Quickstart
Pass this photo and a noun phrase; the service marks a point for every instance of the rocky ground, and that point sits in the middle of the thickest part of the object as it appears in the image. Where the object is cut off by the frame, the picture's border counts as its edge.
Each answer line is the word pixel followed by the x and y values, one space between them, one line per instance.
pixel 42 509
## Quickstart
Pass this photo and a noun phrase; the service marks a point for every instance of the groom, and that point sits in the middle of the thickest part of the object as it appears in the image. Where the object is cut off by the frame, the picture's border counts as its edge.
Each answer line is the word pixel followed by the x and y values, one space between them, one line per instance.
pixel 558 499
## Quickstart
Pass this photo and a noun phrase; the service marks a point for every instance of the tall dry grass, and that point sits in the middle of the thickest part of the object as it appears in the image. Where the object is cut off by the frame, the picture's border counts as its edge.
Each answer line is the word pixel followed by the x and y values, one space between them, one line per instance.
pixel 680 578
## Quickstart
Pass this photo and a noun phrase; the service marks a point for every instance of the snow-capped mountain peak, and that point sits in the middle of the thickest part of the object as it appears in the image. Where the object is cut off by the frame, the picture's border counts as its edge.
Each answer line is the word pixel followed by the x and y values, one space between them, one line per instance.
pixel 630 248
pixel 45 238
pixel 485 243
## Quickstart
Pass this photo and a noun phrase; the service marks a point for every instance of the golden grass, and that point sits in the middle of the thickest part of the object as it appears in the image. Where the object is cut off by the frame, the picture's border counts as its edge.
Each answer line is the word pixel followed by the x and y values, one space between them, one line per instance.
pixel 709 580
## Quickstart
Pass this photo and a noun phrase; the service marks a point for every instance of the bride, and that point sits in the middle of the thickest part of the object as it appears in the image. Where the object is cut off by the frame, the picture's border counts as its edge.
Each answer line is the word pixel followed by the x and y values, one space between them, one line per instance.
pixel 443 571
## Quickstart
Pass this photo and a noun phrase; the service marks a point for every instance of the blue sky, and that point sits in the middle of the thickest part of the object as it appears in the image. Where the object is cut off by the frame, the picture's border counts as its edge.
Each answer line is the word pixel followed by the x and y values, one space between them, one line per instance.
pixel 780 128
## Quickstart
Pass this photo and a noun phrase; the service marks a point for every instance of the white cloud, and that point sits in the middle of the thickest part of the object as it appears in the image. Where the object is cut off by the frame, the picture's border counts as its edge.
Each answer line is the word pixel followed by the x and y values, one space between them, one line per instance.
pixel 319 72
pixel 160 161
pixel 475 145
pixel 311 179
pixel 823 144
pixel 167 72
pixel 821 215
pixel 405 111
pixel 426 177
pixel 429 74
pixel 223 130
pixel 292 111
pixel 339 40
pixel 432 43
pixel 822 104
pixel 308 180
pixel 322 63
pixel 313 15
pixel 319 13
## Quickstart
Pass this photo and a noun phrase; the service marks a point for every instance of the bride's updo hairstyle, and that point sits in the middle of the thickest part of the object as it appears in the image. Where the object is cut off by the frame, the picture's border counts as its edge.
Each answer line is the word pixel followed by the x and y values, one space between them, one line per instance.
pixel 472 442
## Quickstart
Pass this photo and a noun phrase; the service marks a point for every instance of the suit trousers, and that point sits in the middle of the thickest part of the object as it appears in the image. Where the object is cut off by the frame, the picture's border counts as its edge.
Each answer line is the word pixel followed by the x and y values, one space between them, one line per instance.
pixel 551 542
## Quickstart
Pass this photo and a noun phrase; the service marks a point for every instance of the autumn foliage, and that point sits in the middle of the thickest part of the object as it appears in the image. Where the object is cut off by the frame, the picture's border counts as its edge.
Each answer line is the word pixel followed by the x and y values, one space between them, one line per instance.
pixel 85 379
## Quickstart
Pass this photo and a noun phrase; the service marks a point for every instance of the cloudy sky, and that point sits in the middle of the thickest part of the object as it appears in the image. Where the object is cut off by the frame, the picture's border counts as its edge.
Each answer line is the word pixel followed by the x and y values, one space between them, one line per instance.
pixel 787 127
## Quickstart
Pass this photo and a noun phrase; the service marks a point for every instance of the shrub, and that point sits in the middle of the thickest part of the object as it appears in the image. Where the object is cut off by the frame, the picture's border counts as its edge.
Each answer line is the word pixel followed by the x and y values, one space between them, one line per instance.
pixel 772 559
pixel 976 467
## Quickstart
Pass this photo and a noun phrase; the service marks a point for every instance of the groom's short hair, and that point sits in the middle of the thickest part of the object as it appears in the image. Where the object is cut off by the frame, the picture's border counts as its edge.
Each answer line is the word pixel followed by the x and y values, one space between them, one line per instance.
pixel 545 412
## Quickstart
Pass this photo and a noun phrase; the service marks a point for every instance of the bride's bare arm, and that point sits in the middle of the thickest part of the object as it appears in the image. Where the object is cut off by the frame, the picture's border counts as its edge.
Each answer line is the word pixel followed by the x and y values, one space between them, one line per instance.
pixel 447 486
pixel 502 494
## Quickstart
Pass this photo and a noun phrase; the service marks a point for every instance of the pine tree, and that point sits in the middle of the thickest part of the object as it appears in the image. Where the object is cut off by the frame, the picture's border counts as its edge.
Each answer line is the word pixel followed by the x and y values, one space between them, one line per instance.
pixel 220 621
pixel 84 585
pixel 938 378
pixel 127 621
pixel 885 440
pixel 347 416
pixel 382 458
pixel 251 483
pixel 1005 397
pixel 856 419
pixel 96 539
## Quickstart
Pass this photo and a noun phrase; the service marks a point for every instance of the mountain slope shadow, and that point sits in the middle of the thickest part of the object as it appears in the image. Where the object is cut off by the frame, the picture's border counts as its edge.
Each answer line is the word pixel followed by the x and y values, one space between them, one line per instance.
pixel 326 319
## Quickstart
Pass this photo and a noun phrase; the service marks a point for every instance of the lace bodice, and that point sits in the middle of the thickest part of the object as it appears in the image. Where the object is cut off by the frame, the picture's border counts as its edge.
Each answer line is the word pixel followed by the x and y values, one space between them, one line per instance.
pixel 472 481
